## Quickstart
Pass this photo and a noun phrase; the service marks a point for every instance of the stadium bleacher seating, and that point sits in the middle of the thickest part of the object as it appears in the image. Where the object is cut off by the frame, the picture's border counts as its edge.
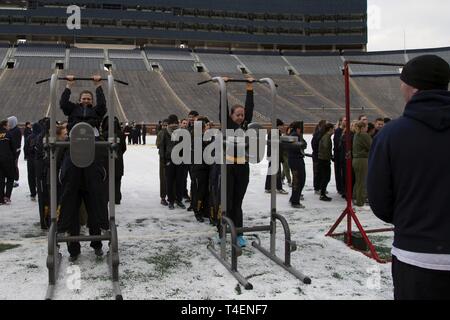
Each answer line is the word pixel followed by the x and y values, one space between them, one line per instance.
pixel 315 92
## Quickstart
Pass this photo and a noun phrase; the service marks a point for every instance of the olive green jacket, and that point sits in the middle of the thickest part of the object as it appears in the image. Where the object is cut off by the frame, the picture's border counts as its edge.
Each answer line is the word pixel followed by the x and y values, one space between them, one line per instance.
pixel 361 145
pixel 325 148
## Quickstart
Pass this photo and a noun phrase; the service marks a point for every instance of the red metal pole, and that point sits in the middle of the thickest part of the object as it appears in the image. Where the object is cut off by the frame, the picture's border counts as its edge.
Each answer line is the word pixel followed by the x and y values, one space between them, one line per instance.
pixel 348 155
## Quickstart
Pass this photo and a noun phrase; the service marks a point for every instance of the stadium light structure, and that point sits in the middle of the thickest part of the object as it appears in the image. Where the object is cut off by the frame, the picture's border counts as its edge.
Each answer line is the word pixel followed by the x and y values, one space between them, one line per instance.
pixel 349 212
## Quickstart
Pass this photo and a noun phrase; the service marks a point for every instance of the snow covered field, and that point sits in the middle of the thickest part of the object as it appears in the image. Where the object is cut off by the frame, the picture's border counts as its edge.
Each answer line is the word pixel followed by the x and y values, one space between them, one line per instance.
pixel 163 253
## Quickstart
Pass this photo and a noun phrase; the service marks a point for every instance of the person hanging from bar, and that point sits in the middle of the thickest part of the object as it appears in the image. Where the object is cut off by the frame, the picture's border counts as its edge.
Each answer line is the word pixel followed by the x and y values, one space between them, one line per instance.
pixel 238 171
pixel 87 184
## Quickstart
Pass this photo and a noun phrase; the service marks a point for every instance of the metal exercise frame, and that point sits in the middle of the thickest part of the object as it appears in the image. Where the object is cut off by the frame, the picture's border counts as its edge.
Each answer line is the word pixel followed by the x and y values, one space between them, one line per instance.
pixel 349 212
pixel 54 256
pixel 227 225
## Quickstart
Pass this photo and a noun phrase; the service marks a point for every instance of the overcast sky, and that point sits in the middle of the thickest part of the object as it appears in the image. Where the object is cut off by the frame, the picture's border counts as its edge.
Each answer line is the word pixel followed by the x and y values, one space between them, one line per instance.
pixel 426 23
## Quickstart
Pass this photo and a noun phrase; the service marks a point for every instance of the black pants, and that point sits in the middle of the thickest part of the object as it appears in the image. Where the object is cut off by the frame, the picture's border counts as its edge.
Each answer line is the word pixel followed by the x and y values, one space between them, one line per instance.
pixel 186 171
pixel 298 179
pixel 162 180
pixel 74 248
pixel 129 138
pixel 199 194
pixel 88 184
pixel 324 174
pixel 174 182
pixel 214 193
pixel 268 179
pixel 344 179
pixel 16 176
pixel 31 177
pixel 316 178
pixel 237 183
pixel 339 173
pixel 414 283
pixel 118 185
pixel 144 137
pixel 7 172
pixel 43 193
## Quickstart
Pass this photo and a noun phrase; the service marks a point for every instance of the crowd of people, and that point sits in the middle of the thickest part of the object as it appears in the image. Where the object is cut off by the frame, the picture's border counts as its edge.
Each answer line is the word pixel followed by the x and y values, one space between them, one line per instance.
pixel 135 133
pixel 378 157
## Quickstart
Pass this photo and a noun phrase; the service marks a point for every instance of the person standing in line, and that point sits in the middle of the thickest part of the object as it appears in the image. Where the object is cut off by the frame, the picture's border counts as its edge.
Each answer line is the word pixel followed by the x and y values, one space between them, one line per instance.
pixel 409 178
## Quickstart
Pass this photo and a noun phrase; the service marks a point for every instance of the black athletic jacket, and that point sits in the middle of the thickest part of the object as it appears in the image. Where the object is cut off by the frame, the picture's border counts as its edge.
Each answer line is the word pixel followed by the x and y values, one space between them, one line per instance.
pixel 409 176
pixel 77 113
pixel 6 147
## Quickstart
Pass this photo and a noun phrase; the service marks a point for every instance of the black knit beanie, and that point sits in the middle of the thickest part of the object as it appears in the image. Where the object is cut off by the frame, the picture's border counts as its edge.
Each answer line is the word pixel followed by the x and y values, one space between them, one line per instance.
pixel 427 72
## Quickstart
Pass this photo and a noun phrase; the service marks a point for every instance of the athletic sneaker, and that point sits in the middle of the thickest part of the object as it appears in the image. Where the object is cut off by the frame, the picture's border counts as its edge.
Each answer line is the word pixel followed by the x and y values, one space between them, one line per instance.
pixel 302 198
pixel 282 191
pixel 180 205
pixel 98 252
pixel 199 217
pixel 171 206
pixel 241 241
pixel 164 202
pixel 74 257
pixel 298 206
pixel 190 208
pixel 325 198
pixel 7 201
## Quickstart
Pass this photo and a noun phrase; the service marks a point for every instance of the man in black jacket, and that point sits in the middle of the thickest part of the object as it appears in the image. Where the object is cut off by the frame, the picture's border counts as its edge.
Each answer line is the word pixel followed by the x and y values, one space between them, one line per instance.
pixel 16 140
pixel 30 144
pixel 144 133
pixel 26 133
pixel 174 172
pixel 409 178
pixel 88 184
pixel 6 164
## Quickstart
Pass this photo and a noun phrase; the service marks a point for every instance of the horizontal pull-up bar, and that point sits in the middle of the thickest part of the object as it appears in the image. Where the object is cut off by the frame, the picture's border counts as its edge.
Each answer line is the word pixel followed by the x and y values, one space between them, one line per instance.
pixel 234 80
pixel 82 79
pixel 374 63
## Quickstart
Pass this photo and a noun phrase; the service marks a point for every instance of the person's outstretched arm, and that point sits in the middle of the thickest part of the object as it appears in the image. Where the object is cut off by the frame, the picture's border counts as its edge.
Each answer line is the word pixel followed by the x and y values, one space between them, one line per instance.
pixel 100 108
pixel 249 103
pixel 65 104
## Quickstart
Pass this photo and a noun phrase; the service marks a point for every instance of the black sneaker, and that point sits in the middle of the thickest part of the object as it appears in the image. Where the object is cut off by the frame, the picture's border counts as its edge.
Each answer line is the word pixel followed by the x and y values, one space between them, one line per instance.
pixel 187 199
pixel 180 205
pixel 74 257
pixel 199 217
pixel 297 206
pixel 325 198
pixel 171 206
pixel 164 202
pixel 190 208
pixel 98 252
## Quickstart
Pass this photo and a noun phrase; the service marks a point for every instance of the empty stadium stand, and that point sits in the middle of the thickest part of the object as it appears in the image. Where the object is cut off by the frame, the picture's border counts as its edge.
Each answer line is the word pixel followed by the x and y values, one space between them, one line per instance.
pixel 314 91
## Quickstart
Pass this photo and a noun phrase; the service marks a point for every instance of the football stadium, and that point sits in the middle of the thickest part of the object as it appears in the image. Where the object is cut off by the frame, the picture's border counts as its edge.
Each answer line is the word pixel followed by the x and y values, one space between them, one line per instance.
pixel 298 71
